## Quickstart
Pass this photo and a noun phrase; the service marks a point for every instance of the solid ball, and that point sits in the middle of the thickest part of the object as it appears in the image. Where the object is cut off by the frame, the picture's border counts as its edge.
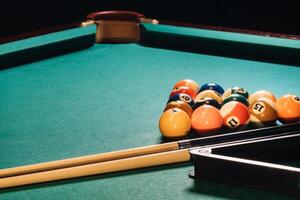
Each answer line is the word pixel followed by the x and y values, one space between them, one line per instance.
pixel 206 119
pixel 261 93
pixel 235 90
pixel 236 97
pixel 185 90
pixel 263 112
pixel 182 105
pixel 207 101
pixel 182 97
pixel 212 86
pixel 235 114
pixel 288 108
pixel 174 123
pixel 188 83
pixel 209 93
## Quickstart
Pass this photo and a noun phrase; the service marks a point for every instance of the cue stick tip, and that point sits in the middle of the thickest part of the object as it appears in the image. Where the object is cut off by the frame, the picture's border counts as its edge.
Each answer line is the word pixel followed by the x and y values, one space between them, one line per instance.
pixel 87 23
pixel 148 20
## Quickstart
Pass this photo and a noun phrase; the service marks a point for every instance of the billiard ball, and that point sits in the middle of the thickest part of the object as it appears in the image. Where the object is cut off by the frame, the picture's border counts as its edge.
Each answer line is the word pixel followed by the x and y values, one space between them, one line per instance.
pixel 185 90
pixel 182 105
pixel 263 112
pixel 206 119
pixel 174 123
pixel 188 83
pixel 207 101
pixel 209 93
pixel 182 97
pixel 235 90
pixel 261 93
pixel 236 97
pixel 288 108
pixel 212 86
pixel 235 114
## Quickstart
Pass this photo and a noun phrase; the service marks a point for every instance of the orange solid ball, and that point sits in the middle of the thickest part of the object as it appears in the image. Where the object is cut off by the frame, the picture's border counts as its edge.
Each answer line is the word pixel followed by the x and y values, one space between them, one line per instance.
pixel 188 83
pixel 288 108
pixel 206 119
pixel 174 123
pixel 261 94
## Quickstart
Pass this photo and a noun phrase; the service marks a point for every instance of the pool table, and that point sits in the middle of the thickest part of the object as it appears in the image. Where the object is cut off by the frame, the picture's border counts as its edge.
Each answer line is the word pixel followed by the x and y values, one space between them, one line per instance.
pixel 63 95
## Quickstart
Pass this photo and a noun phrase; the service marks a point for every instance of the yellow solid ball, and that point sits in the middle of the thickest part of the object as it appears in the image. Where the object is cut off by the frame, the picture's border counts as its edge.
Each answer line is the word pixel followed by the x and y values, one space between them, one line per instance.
pixel 174 123
pixel 209 93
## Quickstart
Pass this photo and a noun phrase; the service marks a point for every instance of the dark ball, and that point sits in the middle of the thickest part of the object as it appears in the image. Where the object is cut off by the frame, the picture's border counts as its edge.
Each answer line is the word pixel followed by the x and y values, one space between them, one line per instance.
pixel 236 97
pixel 236 90
pixel 183 97
pixel 212 86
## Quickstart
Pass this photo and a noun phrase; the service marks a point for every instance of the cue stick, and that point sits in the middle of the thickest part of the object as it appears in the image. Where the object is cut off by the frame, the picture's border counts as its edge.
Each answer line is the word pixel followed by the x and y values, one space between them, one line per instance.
pixel 157 159
pixel 146 150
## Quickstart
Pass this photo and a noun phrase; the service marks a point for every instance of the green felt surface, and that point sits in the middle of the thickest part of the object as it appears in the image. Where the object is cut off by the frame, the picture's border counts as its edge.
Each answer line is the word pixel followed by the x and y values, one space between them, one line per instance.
pixel 110 97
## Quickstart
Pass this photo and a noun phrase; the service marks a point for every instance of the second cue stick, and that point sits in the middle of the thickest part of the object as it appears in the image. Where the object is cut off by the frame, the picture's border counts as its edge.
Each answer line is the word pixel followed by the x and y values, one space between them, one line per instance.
pixel 183 144
pixel 152 160
pixel 98 168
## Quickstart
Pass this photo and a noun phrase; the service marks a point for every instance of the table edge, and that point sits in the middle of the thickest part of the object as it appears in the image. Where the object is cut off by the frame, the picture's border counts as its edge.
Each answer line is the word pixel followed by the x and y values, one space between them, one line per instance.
pixel 57 28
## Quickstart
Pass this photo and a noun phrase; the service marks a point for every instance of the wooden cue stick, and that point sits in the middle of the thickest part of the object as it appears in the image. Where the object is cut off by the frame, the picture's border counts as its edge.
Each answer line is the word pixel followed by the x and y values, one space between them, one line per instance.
pixel 138 162
pixel 164 158
pixel 183 144
pixel 83 160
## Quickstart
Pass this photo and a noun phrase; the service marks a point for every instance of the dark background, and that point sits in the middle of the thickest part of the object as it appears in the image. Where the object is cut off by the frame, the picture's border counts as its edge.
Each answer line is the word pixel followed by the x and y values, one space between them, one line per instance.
pixel 271 16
